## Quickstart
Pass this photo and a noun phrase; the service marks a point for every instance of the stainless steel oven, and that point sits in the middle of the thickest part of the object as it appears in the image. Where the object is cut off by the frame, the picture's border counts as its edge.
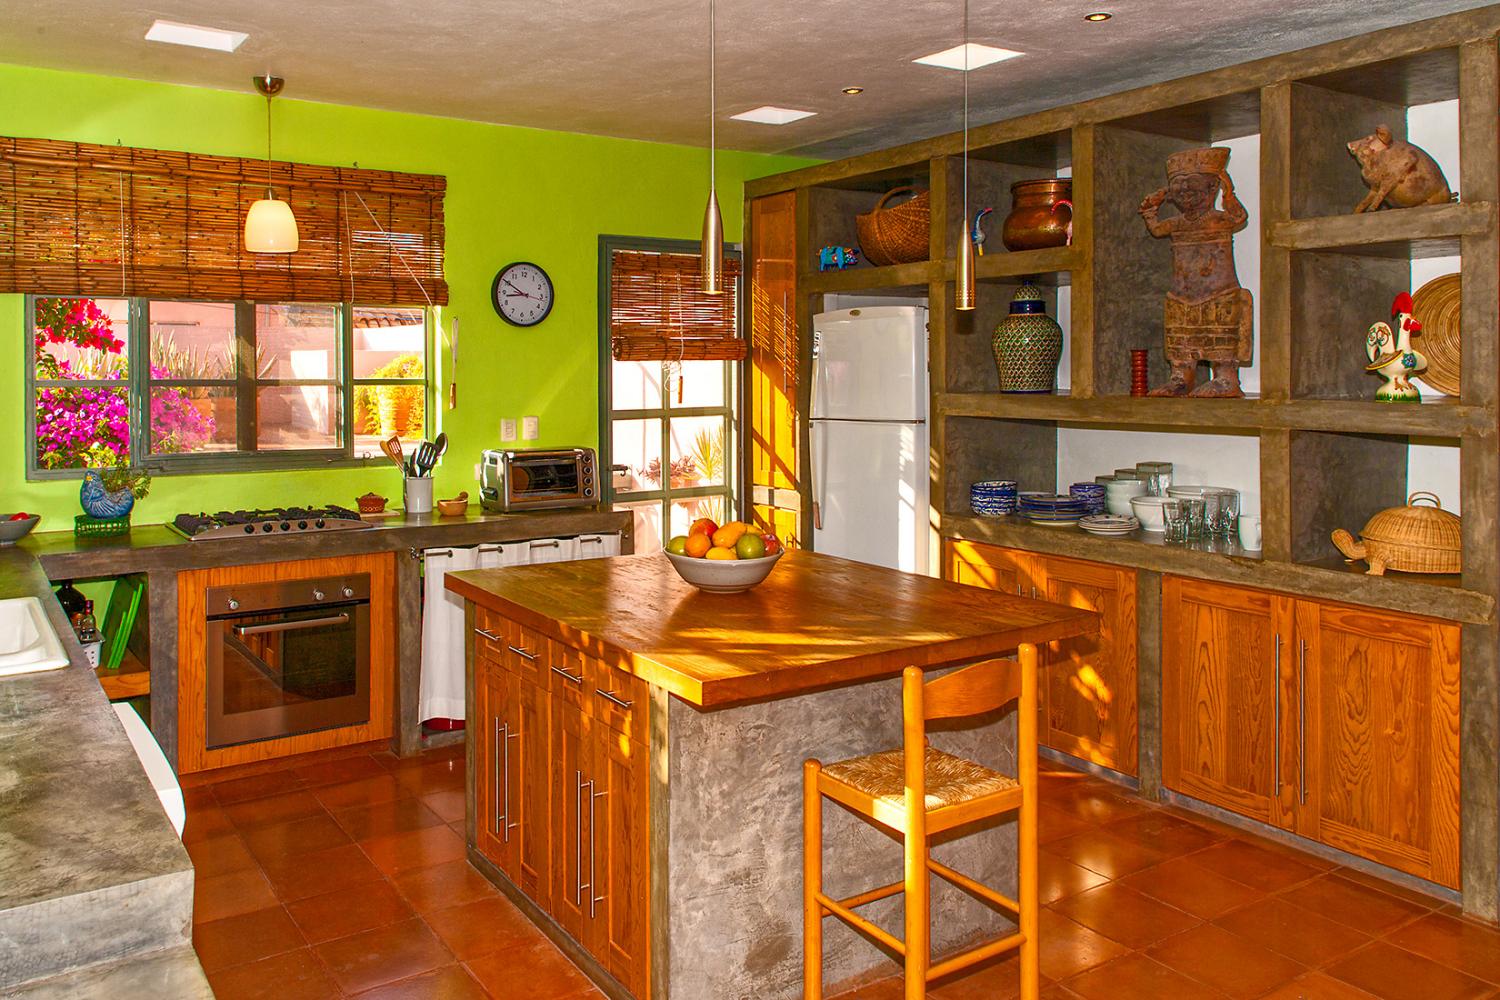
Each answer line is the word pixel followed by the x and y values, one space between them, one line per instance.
pixel 287 657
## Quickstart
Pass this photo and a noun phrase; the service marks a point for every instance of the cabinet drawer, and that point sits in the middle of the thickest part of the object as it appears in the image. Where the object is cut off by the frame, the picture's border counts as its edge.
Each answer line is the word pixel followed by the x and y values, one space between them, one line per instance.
pixel 566 676
pixel 490 632
pixel 526 653
pixel 616 698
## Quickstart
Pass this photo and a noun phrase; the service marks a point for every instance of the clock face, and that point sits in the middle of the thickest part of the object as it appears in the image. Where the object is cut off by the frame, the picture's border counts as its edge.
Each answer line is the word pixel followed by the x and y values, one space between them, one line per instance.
pixel 522 294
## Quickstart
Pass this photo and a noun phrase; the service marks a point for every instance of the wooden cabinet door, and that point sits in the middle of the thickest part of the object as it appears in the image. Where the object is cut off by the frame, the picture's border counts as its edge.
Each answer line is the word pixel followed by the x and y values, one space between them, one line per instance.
pixel 534 795
pixel 570 761
pixel 1379 699
pixel 618 857
pixel 774 372
pixel 1088 690
pixel 497 814
pixel 1225 719
pixel 990 567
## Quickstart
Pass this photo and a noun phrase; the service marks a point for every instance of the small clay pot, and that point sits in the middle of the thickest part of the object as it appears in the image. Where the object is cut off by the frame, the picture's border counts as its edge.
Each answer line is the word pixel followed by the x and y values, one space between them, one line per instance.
pixel 1041 214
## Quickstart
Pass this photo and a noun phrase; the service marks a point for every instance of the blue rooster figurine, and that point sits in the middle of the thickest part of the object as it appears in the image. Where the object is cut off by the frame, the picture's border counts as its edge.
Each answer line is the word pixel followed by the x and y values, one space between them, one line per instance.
pixel 101 503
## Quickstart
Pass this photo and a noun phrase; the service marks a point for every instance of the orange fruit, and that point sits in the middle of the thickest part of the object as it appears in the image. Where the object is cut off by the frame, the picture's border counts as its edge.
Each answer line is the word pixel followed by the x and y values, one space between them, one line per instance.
pixel 726 536
pixel 697 545
pixel 719 552
pixel 703 526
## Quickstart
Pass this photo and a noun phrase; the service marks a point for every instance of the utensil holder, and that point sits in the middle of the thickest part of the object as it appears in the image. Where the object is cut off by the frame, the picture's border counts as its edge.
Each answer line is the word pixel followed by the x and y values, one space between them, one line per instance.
pixel 417 496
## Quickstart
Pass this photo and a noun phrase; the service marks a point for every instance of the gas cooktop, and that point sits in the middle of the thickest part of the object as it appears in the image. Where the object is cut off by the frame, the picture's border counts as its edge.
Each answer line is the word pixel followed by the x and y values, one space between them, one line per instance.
pixel 265 523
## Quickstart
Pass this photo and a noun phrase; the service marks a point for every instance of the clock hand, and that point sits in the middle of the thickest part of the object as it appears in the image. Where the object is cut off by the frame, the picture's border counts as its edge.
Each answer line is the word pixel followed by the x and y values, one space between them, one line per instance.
pixel 517 291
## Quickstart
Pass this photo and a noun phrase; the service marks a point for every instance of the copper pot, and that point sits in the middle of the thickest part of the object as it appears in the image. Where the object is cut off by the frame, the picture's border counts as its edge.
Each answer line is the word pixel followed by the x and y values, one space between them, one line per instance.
pixel 1041 214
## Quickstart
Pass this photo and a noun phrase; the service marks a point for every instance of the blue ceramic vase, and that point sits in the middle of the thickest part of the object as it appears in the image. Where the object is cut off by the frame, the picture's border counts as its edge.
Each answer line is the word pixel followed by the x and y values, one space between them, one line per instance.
pixel 100 503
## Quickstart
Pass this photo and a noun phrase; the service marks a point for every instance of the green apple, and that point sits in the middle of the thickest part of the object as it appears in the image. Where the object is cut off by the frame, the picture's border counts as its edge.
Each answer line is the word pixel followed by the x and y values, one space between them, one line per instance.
pixel 750 547
pixel 678 545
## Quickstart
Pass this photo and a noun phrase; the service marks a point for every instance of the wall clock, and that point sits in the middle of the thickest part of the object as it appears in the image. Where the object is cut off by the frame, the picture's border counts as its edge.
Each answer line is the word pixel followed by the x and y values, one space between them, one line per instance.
pixel 522 294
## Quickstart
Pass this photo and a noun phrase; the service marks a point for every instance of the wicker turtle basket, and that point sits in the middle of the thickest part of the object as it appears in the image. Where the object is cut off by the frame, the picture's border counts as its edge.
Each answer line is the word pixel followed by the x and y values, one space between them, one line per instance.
pixel 1409 539
pixel 897 235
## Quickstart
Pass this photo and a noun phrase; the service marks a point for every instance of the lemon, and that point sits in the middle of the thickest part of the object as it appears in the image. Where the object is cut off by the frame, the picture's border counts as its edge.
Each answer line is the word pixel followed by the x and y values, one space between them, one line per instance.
pixel 719 552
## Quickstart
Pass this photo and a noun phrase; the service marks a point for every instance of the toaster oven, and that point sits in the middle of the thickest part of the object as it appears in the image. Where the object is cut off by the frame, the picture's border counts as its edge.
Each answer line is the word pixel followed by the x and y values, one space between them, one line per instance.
pixel 538 479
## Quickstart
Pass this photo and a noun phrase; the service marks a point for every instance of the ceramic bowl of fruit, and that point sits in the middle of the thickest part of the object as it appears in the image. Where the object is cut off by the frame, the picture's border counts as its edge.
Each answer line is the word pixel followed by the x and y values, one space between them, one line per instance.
pixel 723 560
pixel 14 527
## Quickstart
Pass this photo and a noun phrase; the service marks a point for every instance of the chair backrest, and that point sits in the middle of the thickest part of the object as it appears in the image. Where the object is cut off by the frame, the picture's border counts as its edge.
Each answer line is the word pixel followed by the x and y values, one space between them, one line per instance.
pixel 974 690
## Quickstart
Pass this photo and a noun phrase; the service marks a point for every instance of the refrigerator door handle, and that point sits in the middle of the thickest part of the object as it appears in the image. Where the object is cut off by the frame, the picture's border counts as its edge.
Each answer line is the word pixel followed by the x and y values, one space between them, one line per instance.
pixel 815 453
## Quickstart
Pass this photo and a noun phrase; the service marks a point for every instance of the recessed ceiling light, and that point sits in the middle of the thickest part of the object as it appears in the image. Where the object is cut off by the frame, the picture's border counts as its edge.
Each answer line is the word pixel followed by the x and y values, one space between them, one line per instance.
pixel 1098 15
pixel 977 56
pixel 851 91
pixel 195 35
pixel 769 115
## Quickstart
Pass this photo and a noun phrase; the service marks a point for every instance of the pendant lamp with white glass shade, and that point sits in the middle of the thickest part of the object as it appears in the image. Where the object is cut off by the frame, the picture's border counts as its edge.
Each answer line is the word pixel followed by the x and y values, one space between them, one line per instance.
pixel 270 226
pixel 963 288
pixel 712 245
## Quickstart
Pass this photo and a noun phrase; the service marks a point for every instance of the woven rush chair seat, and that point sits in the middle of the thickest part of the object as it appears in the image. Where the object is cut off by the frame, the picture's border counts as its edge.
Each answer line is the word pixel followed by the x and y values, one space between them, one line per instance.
pixel 950 780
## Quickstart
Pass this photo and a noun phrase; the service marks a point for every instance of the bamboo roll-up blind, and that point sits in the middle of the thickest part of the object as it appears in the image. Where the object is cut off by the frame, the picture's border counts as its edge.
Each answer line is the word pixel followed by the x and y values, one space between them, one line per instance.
pixel 82 219
pixel 658 313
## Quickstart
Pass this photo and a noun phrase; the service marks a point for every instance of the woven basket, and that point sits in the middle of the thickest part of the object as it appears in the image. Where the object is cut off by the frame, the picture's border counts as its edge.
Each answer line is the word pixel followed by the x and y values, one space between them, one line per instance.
pixel 1436 306
pixel 896 235
pixel 1409 539
pixel 100 527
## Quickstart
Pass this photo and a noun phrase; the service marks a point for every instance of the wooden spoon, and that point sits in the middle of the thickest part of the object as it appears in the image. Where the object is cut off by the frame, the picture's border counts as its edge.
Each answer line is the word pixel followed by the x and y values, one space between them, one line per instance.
pixel 392 448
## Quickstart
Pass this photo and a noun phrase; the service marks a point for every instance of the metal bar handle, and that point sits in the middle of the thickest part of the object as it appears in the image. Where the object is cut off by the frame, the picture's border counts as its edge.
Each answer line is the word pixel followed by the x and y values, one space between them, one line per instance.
pixel 611 696
pixel 509 826
pixel 490 548
pixel 578 840
pixel 499 821
pixel 567 676
pixel 547 543
pixel 1302 721
pixel 492 637
pixel 1276 714
pixel 590 540
pixel 297 626
pixel 521 652
pixel 428 553
pixel 593 850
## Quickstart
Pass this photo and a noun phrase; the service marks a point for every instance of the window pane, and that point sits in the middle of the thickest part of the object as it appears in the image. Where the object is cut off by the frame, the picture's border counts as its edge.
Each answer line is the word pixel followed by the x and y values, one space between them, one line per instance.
pixel 296 340
pixel 637 445
pixel 188 419
pixel 383 410
pixel 635 385
pixel 702 384
pixel 647 523
pixel 82 338
pixel 192 340
pixel 78 428
pixel 685 512
pixel 389 343
pixel 292 417
pixel 697 451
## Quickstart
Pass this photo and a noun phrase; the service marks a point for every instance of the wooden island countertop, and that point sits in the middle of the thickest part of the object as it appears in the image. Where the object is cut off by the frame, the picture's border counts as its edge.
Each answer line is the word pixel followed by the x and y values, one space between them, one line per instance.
pixel 817 621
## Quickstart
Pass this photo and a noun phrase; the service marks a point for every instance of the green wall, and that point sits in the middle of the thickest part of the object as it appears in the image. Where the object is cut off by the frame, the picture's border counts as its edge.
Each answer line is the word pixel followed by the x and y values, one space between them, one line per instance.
pixel 513 193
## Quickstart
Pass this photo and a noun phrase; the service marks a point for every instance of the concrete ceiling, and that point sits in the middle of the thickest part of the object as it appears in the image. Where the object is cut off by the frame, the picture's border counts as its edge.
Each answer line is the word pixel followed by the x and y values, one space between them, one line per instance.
pixel 638 68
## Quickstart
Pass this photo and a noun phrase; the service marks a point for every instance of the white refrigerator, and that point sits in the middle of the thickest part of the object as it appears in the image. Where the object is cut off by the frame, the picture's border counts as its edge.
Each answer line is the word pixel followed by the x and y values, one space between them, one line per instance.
pixel 869 436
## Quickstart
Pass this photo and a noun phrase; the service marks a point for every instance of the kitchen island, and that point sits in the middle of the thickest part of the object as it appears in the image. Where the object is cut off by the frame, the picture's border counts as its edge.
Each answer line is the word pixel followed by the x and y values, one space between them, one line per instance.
pixel 637 749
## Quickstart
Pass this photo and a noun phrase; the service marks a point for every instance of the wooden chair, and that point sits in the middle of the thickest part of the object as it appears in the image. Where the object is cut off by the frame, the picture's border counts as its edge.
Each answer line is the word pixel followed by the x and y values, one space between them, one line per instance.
pixel 919 791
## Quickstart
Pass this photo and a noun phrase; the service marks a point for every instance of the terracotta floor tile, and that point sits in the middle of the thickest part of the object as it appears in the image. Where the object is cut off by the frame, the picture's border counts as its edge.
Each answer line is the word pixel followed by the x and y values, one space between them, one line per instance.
pixel 1459 944
pixel 382 818
pixel 302 876
pixel 1192 888
pixel 431 845
pixel 204 823
pixel 1254 865
pixel 391 762
pixel 1103 852
pixel 997 979
pixel 257 786
pixel 1136 977
pixel 275 809
pixel 230 895
pixel 443 885
pixel 451 982
pixel 449 805
pixel 1097 803
pixel 337 772
pixel 364 792
pixel 1390 888
pixel 348 911
pixel 443 776
pixel 1125 915
pixel 483 927
pixel 1238 968
pixel 889 988
pixel 198 797
pixel 385 955
pixel 1290 930
pixel 1059 878
pixel 295 975
pixel 219 855
pixel 548 971
pixel 1350 903
pixel 248 937
pixel 1165 832
pixel 1392 973
pixel 1317 986
pixel 1054 823
pixel 312 833
pixel 1068 948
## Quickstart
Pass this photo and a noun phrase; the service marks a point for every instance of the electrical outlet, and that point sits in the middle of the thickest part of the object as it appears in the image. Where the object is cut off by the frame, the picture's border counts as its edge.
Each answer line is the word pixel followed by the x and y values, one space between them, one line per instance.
pixel 530 428
pixel 507 428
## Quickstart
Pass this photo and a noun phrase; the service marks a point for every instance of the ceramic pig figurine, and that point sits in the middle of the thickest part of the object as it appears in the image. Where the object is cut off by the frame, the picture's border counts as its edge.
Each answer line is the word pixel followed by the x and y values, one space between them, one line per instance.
pixel 1397 173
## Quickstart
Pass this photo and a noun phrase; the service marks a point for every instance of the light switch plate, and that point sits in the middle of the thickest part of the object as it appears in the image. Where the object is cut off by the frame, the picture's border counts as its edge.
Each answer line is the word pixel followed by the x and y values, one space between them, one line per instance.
pixel 530 428
pixel 507 428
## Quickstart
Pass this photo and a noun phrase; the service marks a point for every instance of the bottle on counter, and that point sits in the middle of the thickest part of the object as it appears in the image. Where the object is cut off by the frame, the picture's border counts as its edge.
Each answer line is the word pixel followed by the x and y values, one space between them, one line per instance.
pixel 84 624
pixel 71 599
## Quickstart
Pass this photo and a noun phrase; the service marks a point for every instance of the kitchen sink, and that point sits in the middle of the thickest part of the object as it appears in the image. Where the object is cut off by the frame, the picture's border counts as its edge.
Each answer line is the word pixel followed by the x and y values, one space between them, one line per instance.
pixel 27 642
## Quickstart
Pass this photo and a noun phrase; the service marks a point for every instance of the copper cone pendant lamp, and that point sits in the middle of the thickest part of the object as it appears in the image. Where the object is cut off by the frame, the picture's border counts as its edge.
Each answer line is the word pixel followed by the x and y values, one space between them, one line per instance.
pixel 712 245
pixel 270 226
pixel 963 289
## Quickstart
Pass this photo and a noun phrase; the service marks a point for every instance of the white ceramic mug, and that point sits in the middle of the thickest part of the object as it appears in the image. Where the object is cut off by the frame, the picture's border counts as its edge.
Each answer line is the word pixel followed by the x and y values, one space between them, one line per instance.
pixel 418 495
pixel 1250 532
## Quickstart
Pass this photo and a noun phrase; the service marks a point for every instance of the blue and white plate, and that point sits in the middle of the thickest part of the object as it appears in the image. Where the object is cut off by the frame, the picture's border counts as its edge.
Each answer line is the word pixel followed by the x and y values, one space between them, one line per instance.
pixel 1109 524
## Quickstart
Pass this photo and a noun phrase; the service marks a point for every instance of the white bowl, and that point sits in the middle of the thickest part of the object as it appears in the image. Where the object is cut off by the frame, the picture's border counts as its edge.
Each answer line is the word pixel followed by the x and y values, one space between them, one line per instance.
pixel 723 576
pixel 1194 492
pixel 1148 511
pixel 1117 496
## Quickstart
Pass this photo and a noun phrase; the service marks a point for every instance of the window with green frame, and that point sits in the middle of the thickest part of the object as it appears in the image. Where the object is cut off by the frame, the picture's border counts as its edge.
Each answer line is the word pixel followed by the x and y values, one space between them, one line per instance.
pixel 179 386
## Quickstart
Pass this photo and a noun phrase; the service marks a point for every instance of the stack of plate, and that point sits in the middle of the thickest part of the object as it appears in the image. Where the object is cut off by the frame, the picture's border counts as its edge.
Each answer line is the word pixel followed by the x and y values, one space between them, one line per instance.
pixel 994 498
pixel 1108 524
pixel 1092 492
pixel 1053 509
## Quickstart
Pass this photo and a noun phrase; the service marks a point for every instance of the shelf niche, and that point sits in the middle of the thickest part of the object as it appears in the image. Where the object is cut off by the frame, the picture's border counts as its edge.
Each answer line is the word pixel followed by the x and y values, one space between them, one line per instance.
pixel 976 449
pixel 1341 481
pixel 969 361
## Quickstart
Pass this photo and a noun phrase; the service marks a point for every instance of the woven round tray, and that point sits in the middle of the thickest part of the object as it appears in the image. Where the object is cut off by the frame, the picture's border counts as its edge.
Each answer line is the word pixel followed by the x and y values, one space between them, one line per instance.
pixel 1436 307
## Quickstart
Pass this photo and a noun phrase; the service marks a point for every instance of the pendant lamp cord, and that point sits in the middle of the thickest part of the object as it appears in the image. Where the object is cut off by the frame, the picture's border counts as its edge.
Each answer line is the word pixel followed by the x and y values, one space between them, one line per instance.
pixel 269 192
pixel 713 88
pixel 965 219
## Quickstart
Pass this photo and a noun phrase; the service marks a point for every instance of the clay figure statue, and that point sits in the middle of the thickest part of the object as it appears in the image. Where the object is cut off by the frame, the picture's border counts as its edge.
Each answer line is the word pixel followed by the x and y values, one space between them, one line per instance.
pixel 1397 173
pixel 1391 355
pixel 1208 317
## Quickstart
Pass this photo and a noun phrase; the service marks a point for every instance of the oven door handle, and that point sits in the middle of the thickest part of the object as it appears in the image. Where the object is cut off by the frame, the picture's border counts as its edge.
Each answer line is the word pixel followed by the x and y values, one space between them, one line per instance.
pixel 295 626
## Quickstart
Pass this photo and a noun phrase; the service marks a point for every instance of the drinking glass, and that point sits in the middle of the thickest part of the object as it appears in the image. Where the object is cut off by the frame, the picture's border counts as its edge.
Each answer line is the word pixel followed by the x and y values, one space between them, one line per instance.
pixel 1192 515
pixel 1157 476
pixel 1130 475
pixel 1228 517
pixel 1176 527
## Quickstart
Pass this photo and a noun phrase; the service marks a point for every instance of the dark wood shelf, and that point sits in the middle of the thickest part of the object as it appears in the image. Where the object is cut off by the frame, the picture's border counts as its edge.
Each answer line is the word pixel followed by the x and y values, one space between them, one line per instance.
pixel 1052 266
pixel 892 278
pixel 1424 231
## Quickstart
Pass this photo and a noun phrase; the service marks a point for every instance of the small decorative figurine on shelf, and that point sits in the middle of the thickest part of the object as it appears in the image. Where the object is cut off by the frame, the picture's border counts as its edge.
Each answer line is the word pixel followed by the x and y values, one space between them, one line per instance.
pixel 113 493
pixel 1397 173
pixel 1391 355
pixel 976 233
pixel 837 258
pixel 1208 316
